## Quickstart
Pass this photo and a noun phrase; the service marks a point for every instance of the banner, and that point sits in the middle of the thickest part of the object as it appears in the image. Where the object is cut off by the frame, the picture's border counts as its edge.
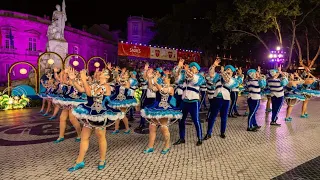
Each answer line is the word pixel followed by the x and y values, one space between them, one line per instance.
pixel 163 54
pixel 133 50
pixel 189 56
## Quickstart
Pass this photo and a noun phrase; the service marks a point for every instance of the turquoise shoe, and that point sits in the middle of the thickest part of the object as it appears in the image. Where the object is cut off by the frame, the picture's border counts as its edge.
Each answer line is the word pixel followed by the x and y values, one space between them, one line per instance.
pixel 78 139
pixel 115 132
pixel 303 116
pixel 246 114
pixel 127 132
pixel 268 110
pixel 288 119
pixel 149 150
pixel 52 118
pixel 165 151
pixel 307 115
pixel 100 167
pixel 59 140
pixel 45 114
pixel 77 166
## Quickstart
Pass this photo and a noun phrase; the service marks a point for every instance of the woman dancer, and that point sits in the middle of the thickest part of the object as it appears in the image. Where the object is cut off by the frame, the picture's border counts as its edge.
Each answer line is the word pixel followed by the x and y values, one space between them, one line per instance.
pixel 308 92
pixel 123 99
pixel 48 85
pixel 94 115
pixel 292 94
pixel 71 98
pixel 161 112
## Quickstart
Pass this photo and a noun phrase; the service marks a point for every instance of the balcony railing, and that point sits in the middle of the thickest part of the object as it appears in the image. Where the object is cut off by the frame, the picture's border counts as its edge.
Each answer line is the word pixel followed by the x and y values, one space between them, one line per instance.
pixel 4 50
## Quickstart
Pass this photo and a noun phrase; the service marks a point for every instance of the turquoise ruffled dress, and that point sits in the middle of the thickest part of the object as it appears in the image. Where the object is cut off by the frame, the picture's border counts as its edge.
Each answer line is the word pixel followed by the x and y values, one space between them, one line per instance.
pixel 164 107
pixel 96 112
pixel 71 98
pixel 122 98
pixel 293 93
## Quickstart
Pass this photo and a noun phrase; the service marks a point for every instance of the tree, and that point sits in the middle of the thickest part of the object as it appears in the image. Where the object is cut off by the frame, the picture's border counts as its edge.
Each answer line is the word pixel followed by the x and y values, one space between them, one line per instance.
pixel 187 27
pixel 275 20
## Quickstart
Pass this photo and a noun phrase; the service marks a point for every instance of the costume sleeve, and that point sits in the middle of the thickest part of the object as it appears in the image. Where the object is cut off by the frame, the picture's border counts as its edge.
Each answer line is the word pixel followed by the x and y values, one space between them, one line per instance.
pixel 284 81
pixel 181 77
pixel 233 83
pixel 262 83
pixel 197 80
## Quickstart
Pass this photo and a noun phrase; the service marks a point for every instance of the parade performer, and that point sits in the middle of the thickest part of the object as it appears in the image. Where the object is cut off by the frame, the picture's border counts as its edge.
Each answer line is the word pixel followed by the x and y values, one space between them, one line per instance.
pixel 123 99
pixel 221 98
pixel 162 112
pixel 203 90
pixel 94 115
pixel 191 81
pixel 292 94
pixel 254 84
pixel 71 98
pixel 233 112
pixel 276 82
pixel 48 85
pixel 133 86
pixel 308 92
pixel 211 86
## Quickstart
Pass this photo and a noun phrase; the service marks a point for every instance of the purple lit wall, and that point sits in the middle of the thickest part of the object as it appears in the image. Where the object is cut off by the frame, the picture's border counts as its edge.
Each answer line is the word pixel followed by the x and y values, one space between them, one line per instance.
pixel 139 29
pixel 23 38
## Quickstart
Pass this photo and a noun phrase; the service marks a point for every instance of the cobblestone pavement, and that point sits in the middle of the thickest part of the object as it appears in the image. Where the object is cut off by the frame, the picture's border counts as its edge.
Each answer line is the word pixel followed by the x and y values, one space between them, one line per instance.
pixel 27 150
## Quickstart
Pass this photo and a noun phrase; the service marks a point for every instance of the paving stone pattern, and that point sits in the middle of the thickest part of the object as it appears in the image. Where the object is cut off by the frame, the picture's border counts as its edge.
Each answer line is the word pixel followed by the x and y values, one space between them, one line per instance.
pixel 27 150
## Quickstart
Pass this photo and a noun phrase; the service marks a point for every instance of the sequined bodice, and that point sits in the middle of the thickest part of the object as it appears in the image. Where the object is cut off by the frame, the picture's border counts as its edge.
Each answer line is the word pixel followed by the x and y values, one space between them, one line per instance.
pixel 121 96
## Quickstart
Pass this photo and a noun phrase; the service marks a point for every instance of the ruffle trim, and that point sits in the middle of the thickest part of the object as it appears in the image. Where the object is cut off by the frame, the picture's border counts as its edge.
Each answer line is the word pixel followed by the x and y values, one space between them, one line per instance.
pixel 107 115
pixel 160 114
pixel 68 103
pixel 310 92
pixel 295 96
pixel 124 103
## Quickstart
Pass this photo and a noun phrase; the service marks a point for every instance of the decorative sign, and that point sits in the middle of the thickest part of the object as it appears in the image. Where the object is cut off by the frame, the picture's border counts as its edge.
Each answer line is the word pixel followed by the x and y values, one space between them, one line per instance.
pixel 163 54
pixel 133 50
pixel 189 56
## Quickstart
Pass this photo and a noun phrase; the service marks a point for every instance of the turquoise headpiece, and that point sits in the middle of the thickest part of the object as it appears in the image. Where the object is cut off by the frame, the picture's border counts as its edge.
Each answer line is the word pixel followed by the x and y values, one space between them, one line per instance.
pixel 230 67
pixel 134 73
pixel 273 72
pixel 194 64
pixel 160 71
pixel 250 72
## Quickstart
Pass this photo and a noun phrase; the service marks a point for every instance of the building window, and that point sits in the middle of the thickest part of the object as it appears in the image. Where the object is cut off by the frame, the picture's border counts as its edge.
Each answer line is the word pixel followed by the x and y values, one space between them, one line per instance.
pixel 9 40
pixel 32 44
pixel 135 29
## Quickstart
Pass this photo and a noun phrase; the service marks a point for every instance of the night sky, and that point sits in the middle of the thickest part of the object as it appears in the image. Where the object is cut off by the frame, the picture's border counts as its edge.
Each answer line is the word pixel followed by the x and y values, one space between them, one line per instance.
pixel 89 12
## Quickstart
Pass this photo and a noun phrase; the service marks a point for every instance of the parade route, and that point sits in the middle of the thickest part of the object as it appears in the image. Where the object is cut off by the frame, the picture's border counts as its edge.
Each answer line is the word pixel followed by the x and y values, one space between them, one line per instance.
pixel 27 150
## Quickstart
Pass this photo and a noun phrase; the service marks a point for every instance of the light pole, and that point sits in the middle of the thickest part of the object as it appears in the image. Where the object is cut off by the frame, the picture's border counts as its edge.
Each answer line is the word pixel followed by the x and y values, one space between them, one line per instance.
pixel 277 57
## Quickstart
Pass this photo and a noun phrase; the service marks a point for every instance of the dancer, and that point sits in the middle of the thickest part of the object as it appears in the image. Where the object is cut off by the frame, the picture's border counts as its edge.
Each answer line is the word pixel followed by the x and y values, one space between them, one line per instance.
pixel 48 85
pixel 308 92
pixel 191 81
pixel 123 100
pixel 233 113
pixel 254 84
pixel 71 98
pixel 162 112
pixel 221 97
pixel 133 86
pixel 94 115
pixel 292 94
pixel 276 82
pixel 203 90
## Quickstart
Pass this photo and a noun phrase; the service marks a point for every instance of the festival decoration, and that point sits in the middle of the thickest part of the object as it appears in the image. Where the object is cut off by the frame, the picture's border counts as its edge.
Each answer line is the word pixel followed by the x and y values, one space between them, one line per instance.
pixel 16 102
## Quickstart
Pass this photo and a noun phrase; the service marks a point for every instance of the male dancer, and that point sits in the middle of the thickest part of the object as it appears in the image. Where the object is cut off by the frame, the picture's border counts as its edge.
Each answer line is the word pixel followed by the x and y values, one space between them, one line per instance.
pixel 253 85
pixel 276 83
pixel 234 95
pixel 203 90
pixel 221 97
pixel 191 81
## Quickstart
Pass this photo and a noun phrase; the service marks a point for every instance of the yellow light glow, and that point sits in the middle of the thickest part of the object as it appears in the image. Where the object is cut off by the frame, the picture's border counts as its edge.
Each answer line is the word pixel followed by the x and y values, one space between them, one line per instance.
pixel 75 63
pixel 278 48
pixel 50 61
pixel 96 64
pixel 270 56
pixel 23 71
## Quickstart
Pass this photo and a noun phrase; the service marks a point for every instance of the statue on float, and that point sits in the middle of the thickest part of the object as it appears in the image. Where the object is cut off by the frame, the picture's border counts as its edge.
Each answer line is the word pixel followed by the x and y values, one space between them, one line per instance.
pixel 59 18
